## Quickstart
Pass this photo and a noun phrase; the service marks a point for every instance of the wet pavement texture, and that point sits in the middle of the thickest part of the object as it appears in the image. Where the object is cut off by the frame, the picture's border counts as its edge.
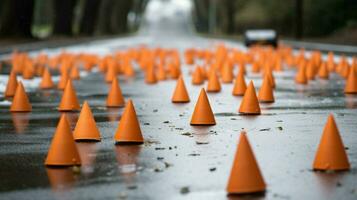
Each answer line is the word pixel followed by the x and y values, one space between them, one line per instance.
pixel 177 161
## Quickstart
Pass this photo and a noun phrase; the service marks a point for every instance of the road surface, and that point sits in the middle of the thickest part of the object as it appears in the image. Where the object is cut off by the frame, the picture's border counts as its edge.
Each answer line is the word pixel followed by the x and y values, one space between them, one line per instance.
pixel 177 161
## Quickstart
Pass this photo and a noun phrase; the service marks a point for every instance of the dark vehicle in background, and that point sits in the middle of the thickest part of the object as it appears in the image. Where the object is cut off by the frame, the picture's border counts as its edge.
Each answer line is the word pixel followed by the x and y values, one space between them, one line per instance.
pixel 261 37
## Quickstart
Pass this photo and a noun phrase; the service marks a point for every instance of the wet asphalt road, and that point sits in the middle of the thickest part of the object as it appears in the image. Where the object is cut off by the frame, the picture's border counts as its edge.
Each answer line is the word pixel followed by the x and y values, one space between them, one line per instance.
pixel 177 161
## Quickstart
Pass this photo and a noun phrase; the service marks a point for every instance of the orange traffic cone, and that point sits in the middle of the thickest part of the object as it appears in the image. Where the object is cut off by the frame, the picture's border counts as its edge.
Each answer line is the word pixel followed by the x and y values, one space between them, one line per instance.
pixel 86 128
pixel 150 76
pixel 310 71
pixel 203 115
pixel 249 104
pixel 63 151
pixel 331 154
pixel 323 71
pixel 20 103
pixel 63 80
pixel 74 73
pixel 213 82
pixel 227 73
pixel 69 101
pixel 266 94
pixel 331 62
pixel 129 128
pixel 242 69
pixel 174 70
pixel 115 97
pixel 180 94
pixel 29 71
pixel 11 85
pixel 111 72
pixel 161 73
pixel 351 82
pixel 245 175
pixel 46 82
pixel 239 85
pixel 301 75
pixel 197 78
pixel 271 78
pixel 255 67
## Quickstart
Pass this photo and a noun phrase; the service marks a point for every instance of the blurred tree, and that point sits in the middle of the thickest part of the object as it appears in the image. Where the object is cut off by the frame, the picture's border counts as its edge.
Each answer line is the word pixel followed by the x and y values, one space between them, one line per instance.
pixel 16 17
pixel 63 18
pixel 43 18
pixel 113 15
pixel 89 17
pixel 105 12
pixel 201 14
pixel 322 17
pixel 230 6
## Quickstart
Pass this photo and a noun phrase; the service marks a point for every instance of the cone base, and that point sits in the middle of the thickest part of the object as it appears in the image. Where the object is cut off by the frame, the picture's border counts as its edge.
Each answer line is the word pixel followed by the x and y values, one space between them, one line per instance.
pixel 178 101
pixel 60 165
pixel 324 170
pixel 246 194
pixel 266 101
pixel 87 140
pixel 246 113
pixel 350 92
pixel 20 111
pixel 202 124
pixel 213 91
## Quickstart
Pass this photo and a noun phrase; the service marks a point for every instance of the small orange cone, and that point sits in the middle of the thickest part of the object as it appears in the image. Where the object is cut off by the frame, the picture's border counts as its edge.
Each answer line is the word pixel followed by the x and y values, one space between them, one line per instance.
pixel 266 94
pixel 213 82
pixel 161 73
pixel 255 67
pixel 331 62
pixel 240 86
pixel 63 151
pixel 180 94
pixel 115 97
pixel 250 104
pixel 150 76
pixel 11 85
pixel 74 73
pixel 174 70
pixel 242 68
pixel 203 115
pixel 331 154
pixel 129 128
pixel 351 82
pixel 29 71
pixel 245 175
pixel 310 71
pixel 197 78
pixel 111 72
pixel 46 82
pixel 86 128
pixel 63 80
pixel 301 75
pixel 20 103
pixel 227 73
pixel 69 101
pixel 271 78
pixel 323 71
